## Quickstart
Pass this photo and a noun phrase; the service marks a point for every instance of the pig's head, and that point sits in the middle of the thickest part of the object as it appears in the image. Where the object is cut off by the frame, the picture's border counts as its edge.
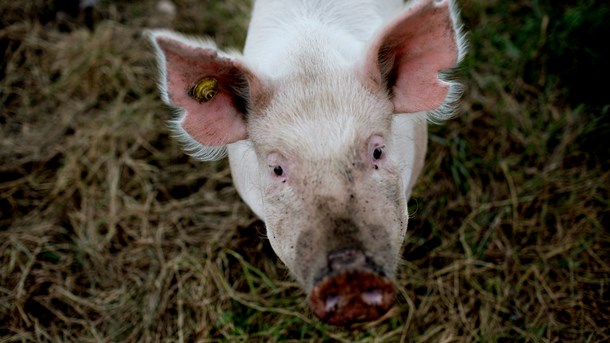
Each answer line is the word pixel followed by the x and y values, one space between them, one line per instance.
pixel 334 202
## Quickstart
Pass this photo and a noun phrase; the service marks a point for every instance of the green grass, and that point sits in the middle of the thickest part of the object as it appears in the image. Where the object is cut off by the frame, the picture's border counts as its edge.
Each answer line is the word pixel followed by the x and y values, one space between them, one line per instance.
pixel 109 232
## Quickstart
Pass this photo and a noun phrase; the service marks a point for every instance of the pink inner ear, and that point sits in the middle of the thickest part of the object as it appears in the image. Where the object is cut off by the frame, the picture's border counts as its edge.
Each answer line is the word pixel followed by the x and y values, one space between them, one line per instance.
pixel 216 122
pixel 221 125
pixel 417 46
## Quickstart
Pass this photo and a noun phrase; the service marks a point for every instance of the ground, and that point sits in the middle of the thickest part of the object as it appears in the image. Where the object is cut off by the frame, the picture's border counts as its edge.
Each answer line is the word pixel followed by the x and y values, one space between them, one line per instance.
pixel 110 233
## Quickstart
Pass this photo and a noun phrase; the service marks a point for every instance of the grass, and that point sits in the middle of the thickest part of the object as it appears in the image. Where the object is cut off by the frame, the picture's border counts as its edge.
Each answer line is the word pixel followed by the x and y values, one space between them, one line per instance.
pixel 108 232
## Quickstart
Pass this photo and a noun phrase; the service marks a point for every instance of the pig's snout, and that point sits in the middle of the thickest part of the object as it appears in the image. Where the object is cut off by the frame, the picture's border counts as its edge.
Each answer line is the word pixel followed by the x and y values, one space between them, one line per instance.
pixel 351 291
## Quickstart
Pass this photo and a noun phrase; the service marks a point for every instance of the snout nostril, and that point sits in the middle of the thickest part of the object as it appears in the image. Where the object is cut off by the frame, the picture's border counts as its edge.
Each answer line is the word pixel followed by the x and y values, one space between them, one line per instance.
pixel 332 301
pixel 372 297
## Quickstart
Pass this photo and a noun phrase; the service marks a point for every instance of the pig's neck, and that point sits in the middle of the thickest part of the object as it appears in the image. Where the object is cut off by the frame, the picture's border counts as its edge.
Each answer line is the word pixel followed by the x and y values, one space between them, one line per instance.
pixel 291 36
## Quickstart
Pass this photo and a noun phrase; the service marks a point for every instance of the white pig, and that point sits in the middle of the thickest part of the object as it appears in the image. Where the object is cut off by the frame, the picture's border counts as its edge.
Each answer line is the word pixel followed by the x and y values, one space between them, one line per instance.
pixel 324 120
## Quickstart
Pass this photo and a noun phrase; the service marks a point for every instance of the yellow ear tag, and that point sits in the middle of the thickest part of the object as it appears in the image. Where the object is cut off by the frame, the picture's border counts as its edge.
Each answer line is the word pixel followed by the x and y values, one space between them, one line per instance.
pixel 204 90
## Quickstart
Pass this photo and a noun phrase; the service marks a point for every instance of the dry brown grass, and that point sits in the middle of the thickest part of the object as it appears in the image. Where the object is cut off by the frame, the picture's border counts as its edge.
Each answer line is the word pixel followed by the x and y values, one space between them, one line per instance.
pixel 109 233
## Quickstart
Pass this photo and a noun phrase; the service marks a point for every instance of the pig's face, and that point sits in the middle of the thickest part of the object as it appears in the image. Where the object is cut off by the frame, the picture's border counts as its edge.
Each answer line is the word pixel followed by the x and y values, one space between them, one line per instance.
pixel 334 203
pixel 330 181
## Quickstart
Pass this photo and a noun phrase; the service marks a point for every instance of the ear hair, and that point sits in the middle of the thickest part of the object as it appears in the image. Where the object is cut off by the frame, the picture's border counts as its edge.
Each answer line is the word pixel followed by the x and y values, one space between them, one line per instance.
pixel 449 107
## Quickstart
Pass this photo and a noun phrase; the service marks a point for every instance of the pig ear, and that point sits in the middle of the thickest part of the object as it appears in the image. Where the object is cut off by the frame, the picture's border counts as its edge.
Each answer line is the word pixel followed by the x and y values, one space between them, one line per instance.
pixel 211 89
pixel 410 53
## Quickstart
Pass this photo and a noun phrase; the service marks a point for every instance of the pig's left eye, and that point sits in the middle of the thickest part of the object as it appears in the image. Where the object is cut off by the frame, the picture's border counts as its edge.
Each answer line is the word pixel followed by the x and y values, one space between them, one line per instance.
pixel 278 170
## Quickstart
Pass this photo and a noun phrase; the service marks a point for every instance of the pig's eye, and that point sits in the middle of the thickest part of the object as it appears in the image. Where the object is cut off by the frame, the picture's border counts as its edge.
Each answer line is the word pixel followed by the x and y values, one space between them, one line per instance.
pixel 378 153
pixel 277 164
pixel 278 171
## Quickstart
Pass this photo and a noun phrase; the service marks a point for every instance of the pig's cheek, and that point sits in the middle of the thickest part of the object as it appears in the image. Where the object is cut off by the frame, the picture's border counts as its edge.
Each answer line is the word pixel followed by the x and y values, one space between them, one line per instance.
pixel 382 174
pixel 397 203
pixel 275 190
pixel 279 225
pixel 283 249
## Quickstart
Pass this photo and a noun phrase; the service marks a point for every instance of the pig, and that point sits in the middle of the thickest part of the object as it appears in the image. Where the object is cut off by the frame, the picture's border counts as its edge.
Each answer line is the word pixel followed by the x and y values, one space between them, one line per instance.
pixel 324 120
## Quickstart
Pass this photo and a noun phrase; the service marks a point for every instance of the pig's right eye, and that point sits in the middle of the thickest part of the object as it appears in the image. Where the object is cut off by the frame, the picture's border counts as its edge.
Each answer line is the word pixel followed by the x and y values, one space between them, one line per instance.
pixel 377 153
pixel 277 164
